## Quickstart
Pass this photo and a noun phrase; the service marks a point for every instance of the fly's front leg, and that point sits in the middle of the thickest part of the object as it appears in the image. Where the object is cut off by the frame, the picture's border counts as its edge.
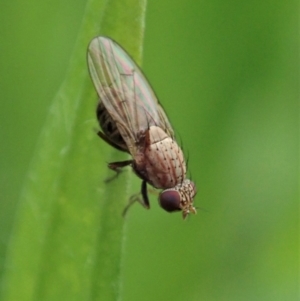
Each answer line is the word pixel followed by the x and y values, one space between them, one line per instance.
pixel 141 197
pixel 144 193
pixel 117 167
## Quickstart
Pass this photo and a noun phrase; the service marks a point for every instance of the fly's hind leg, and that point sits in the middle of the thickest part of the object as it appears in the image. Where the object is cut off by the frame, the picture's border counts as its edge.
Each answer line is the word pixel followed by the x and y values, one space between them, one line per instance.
pixel 117 167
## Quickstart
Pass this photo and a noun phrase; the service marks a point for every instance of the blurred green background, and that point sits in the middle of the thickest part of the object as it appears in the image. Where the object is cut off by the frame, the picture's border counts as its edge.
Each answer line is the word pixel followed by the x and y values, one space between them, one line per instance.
pixel 227 74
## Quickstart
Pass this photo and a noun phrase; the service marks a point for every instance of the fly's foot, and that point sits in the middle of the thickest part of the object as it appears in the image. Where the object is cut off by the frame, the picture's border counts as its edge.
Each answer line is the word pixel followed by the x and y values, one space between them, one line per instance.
pixel 117 167
pixel 113 177
pixel 135 198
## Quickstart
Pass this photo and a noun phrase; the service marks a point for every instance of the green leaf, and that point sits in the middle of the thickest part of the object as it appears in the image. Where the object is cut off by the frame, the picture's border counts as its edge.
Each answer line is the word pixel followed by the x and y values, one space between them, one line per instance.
pixel 68 232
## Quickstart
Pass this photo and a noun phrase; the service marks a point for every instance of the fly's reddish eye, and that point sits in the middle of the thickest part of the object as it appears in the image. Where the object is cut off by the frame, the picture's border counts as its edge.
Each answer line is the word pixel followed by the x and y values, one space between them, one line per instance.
pixel 170 200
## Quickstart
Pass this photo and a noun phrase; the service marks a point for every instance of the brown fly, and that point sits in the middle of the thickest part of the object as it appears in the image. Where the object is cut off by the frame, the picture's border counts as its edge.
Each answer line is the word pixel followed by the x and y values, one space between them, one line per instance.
pixel 133 121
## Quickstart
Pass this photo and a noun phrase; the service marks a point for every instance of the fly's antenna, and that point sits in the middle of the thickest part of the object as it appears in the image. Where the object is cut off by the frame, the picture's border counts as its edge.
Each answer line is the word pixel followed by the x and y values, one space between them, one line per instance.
pixel 182 146
pixel 187 157
pixel 191 176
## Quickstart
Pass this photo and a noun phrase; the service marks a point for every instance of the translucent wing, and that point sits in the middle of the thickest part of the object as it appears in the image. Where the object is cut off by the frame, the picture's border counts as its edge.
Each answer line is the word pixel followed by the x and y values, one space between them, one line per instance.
pixel 124 91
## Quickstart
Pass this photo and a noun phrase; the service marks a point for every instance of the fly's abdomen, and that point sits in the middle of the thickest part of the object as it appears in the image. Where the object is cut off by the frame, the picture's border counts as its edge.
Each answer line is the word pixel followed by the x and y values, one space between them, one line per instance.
pixel 109 127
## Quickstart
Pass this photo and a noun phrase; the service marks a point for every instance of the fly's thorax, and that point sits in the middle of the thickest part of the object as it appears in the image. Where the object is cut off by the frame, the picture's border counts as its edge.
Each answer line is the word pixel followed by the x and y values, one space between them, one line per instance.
pixel 163 164
pixel 179 198
pixel 109 127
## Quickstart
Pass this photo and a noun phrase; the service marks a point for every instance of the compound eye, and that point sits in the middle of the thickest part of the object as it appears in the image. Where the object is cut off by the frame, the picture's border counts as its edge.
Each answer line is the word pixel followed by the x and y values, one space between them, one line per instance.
pixel 170 200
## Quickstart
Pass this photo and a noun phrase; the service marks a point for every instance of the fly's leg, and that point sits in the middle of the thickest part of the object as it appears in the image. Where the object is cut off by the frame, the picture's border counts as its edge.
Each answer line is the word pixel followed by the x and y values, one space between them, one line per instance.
pixel 144 193
pixel 141 197
pixel 117 167
pixel 134 198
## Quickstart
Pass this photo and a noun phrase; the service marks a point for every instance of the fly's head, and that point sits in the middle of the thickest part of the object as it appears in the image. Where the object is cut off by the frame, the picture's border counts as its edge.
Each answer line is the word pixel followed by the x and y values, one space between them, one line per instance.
pixel 179 198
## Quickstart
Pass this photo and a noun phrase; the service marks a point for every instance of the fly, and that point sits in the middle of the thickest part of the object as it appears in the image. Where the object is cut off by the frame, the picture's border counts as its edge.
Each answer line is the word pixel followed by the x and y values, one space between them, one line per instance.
pixel 133 121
